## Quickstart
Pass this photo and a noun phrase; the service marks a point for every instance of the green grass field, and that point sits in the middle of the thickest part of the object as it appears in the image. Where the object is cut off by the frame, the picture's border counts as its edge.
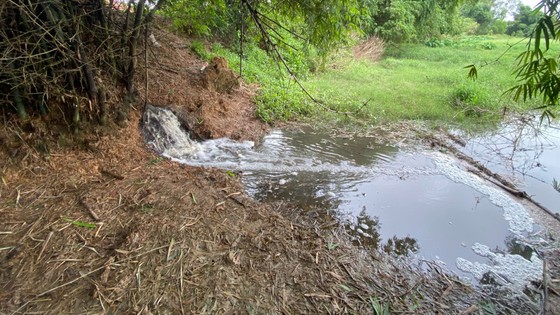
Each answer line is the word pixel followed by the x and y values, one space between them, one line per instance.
pixel 428 83
pixel 414 82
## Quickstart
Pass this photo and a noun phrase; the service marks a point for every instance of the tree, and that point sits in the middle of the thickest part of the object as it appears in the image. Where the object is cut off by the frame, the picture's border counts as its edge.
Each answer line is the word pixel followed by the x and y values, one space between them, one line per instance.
pixel 489 14
pixel 482 13
pixel 537 70
pixel 524 21
pixel 323 24
pixel 504 8
pixel 56 52
pixel 409 21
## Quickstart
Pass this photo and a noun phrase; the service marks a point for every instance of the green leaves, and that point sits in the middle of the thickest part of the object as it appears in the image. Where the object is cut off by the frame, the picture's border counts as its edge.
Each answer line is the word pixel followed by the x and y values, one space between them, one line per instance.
pixel 473 73
pixel 409 21
pixel 326 24
pixel 544 28
pixel 81 223
pixel 378 308
pixel 201 17
pixel 537 72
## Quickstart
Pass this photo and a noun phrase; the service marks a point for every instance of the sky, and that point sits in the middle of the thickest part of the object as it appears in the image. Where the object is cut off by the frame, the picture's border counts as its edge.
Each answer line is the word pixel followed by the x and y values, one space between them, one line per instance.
pixel 531 3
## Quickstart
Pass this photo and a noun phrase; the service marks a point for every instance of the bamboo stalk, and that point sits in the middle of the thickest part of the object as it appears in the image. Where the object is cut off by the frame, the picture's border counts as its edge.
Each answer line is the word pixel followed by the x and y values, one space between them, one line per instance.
pixel 132 45
pixel 22 113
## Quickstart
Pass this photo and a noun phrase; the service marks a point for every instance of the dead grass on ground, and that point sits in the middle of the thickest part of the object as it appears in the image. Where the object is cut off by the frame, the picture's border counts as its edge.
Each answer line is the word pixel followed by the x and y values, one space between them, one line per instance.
pixel 103 225
pixel 371 49
pixel 112 228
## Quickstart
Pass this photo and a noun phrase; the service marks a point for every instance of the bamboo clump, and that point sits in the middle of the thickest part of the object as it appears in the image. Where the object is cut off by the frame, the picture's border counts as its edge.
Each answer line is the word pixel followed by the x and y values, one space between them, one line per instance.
pixel 57 56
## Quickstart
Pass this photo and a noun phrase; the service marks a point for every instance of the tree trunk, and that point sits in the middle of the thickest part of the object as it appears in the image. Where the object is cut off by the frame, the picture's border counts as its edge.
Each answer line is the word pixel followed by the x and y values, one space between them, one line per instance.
pixel 82 56
pixel 102 99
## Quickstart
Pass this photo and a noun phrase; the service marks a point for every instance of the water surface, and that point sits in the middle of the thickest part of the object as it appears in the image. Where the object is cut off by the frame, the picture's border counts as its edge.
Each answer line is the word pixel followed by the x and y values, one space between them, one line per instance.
pixel 417 202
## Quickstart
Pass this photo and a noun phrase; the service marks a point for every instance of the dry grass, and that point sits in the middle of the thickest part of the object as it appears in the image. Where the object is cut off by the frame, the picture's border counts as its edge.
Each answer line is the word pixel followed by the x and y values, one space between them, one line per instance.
pixel 371 49
pixel 173 239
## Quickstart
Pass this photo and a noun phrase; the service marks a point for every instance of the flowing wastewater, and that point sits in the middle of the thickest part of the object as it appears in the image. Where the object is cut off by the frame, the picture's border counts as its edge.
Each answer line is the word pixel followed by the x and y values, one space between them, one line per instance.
pixel 415 202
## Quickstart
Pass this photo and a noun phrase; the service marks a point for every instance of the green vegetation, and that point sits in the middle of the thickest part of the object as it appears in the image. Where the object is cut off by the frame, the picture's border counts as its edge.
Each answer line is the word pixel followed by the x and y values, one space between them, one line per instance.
pixel 413 81
pixel 420 82
pixel 422 78
pixel 537 70
pixel 378 308
pixel 79 223
pixel 279 98
pixel 524 22
pixel 410 21
pixel 283 43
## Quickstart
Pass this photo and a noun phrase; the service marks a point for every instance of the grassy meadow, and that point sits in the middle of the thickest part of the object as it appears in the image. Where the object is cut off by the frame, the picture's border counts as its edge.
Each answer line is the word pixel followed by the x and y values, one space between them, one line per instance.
pixel 414 81
pixel 429 83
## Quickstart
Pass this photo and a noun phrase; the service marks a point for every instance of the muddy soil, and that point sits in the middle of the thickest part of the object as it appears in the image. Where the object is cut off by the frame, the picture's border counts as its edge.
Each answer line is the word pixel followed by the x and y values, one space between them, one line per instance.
pixel 103 225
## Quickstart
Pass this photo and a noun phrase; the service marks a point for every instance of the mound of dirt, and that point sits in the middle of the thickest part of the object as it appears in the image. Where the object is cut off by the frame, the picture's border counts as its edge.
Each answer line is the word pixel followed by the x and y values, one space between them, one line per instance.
pixel 209 99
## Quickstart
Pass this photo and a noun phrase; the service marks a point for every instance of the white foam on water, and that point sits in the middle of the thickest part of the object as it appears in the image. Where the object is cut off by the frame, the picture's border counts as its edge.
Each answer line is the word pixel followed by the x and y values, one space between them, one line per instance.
pixel 520 222
pixel 167 135
pixel 514 269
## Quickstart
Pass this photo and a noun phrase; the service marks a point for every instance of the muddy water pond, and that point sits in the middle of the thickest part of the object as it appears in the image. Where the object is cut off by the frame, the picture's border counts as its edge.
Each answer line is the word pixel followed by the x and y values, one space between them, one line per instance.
pixel 413 202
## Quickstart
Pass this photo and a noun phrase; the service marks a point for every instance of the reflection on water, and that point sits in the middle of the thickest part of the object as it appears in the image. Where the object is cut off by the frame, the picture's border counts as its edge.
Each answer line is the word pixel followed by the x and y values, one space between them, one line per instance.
pixel 401 246
pixel 403 202
pixel 525 151
pixel 366 233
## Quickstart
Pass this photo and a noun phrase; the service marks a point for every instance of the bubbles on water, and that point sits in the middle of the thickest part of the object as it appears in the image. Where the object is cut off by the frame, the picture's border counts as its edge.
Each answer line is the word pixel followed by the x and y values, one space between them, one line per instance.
pixel 518 218
pixel 315 169
pixel 164 133
pixel 505 269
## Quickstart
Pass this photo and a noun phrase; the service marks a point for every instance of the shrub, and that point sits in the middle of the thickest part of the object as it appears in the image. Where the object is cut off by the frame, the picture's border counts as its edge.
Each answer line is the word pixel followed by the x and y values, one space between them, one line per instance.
pixel 471 99
pixel 197 47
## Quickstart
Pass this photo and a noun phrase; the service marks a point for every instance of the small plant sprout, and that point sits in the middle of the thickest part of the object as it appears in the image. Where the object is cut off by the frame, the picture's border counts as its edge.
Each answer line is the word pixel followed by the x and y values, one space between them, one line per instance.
pixel 156 160
pixel 79 223
pixel 331 246
pixel 378 308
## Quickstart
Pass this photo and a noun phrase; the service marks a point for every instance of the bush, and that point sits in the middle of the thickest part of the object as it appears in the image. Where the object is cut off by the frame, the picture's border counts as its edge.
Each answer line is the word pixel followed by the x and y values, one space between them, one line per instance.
pixel 197 47
pixel 471 99
pixel 467 41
